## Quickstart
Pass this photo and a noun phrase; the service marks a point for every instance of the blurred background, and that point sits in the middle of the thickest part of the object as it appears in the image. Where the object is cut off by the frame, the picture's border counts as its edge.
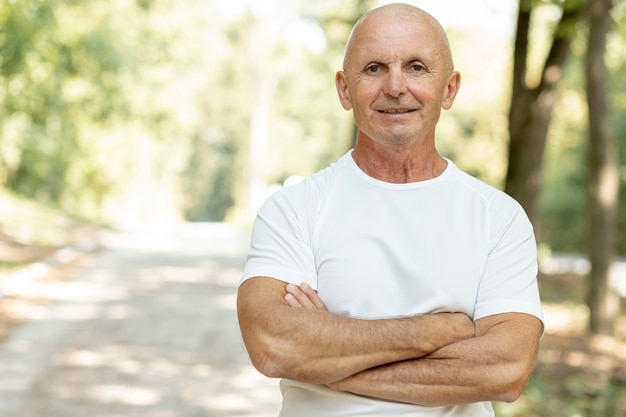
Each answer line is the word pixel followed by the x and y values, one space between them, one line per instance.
pixel 126 113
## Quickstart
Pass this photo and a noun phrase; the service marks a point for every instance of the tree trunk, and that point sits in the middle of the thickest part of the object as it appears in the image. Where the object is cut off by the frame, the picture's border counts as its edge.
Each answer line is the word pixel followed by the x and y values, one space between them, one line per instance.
pixel 603 182
pixel 531 108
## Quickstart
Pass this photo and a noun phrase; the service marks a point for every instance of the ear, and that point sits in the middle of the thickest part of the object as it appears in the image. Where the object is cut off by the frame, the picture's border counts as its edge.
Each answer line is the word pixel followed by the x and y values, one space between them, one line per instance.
pixel 451 90
pixel 342 90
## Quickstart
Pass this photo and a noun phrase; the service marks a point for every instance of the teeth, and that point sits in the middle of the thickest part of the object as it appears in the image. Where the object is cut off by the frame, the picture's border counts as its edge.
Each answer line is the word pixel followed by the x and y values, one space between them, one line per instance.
pixel 395 111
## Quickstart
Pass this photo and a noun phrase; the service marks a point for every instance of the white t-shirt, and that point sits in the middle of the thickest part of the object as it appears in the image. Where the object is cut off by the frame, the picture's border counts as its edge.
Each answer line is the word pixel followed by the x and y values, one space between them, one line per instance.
pixel 378 250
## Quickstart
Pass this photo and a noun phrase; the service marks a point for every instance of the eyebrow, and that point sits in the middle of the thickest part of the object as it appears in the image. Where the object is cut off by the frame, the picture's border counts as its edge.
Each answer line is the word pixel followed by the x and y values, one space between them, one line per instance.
pixel 380 60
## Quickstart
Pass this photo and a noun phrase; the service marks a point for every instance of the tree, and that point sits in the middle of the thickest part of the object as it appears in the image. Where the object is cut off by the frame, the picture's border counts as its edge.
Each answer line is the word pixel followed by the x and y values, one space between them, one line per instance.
pixel 347 21
pixel 270 48
pixel 531 107
pixel 55 79
pixel 603 179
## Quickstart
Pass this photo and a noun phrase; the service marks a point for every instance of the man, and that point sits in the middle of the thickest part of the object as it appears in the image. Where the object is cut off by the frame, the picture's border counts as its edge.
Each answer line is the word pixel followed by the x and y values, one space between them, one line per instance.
pixel 392 283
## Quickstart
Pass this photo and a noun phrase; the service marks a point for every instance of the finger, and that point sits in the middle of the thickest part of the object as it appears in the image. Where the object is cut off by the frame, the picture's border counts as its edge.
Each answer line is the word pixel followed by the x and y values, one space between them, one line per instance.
pixel 292 301
pixel 313 296
pixel 300 299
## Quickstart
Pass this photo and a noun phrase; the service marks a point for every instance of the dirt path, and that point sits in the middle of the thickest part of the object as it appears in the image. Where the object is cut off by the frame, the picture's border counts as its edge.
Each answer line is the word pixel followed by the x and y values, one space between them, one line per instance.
pixel 145 327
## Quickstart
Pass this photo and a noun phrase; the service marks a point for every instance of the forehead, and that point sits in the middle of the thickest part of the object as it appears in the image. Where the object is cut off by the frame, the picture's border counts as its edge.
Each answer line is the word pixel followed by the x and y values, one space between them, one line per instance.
pixel 398 37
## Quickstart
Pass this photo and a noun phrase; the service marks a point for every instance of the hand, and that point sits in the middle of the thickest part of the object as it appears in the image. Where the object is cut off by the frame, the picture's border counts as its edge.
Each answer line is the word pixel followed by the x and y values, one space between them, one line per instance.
pixel 303 296
pixel 460 324
pixel 459 327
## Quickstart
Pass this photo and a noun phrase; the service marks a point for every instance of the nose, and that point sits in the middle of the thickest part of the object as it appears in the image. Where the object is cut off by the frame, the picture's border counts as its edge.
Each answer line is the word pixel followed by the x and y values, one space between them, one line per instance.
pixel 395 83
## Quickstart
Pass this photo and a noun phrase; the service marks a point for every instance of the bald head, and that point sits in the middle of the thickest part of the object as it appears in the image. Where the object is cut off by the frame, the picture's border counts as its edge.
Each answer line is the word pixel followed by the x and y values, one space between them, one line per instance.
pixel 389 15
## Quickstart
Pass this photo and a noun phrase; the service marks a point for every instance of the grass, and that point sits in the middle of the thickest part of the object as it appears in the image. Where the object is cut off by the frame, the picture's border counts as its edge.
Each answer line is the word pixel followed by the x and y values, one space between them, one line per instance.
pixel 30 231
pixel 577 374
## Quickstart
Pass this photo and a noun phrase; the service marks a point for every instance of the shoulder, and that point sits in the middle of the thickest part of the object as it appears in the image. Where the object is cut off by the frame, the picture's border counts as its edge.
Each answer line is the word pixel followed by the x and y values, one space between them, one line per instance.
pixel 503 211
pixel 491 196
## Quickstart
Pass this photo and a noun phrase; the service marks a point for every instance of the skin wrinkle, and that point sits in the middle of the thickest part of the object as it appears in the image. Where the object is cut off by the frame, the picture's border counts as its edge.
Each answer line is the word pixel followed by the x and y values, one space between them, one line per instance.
pixel 398 60
pixel 395 85
pixel 400 10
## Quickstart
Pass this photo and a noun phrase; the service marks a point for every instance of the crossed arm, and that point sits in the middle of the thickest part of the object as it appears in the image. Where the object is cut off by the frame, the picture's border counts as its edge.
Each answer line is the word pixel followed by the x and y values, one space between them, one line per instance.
pixel 438 359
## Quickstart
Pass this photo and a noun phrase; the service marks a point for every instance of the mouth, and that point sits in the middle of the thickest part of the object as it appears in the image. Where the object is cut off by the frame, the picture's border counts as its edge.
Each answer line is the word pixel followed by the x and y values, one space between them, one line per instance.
pixel 396 111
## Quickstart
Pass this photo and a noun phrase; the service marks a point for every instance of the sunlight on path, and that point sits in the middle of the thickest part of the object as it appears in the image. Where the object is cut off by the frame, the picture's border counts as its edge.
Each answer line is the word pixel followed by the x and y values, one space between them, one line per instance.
pixel 147 327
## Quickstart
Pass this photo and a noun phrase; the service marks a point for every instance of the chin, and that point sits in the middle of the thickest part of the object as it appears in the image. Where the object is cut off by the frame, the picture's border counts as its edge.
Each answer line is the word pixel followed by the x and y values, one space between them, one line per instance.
pixel 396 140
pixel 390 138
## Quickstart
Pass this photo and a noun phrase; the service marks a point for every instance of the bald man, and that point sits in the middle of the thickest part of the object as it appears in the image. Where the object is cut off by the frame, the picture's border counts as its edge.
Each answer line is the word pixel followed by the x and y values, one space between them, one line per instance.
pixel 392 283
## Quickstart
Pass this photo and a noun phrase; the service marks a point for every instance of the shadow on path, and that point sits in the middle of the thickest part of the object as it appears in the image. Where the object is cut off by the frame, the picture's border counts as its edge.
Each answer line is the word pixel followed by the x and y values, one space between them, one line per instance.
pixel 146 327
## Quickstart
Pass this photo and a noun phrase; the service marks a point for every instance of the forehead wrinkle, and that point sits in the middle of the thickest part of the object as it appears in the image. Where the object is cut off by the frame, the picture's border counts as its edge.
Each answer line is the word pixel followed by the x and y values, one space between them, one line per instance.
pixel 380 20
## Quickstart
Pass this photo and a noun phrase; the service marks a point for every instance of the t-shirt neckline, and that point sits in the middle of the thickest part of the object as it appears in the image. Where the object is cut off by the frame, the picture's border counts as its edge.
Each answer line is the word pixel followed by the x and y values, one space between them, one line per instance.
pixel 397 186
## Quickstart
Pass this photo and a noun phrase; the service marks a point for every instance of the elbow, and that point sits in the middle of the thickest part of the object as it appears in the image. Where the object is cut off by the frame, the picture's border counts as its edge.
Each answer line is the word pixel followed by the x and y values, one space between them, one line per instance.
pixel 268 367
pixel 500 391
pixel 282 361
pixel 266 358
pixel 276 360
pixel 266 351
pixel 509 389
pixel 509 393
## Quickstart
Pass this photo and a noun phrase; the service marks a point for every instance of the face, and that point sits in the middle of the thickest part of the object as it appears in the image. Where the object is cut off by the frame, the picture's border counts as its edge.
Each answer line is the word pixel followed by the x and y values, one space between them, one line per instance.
pixel 397 77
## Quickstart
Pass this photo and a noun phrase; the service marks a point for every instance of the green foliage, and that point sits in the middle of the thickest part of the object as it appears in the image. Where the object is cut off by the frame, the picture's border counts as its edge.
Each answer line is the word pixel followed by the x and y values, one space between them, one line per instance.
pixel 577 374
pixel 30 231
pixel 562 224
pixel 474 136
pixel 572 397
pixel 103 101
pixel 143 110
pixel 617 66
pixel 58 76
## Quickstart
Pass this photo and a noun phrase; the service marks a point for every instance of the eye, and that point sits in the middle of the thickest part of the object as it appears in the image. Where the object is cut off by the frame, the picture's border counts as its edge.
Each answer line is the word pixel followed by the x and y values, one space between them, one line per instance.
pixel 417 67
pixel 373 68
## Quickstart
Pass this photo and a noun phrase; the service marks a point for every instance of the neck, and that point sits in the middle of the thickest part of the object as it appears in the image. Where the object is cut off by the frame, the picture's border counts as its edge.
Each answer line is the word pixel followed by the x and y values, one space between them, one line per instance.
pixel 398 163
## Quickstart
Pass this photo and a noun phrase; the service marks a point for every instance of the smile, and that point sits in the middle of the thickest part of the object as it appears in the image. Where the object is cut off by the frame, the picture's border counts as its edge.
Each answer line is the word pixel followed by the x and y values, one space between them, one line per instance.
pixel 396 111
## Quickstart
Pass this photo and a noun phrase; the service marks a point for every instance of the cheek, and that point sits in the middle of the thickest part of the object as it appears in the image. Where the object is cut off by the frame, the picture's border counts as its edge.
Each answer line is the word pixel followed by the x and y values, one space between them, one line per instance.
pixel 362 105
pixel 365 91
pixel 359 100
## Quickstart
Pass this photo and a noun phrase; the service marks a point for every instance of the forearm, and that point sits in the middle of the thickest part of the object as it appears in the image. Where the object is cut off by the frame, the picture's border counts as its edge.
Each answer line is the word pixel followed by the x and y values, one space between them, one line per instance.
pixel 491 367
pixel 312 345
pixel 425 381
pixel 320 347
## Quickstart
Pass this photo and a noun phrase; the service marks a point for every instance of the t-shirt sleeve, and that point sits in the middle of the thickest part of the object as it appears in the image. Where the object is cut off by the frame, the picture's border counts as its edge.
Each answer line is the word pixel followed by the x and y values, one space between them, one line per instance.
pixel 280 247
pixel 509 282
